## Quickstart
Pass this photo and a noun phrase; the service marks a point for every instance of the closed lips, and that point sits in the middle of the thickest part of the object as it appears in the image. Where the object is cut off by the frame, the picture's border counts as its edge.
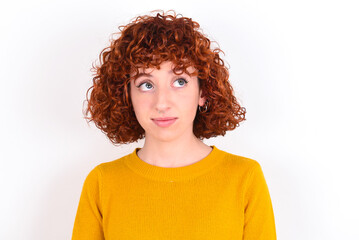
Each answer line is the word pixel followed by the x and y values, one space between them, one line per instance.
pixel 163 119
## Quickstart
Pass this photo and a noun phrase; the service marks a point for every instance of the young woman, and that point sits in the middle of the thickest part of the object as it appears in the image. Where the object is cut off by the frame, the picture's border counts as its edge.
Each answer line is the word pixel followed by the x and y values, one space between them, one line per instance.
pixel 161 81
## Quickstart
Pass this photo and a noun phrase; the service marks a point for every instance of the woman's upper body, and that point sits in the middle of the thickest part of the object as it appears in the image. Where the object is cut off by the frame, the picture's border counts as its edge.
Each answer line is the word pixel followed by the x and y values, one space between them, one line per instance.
pixel 160 81
pixel 222 196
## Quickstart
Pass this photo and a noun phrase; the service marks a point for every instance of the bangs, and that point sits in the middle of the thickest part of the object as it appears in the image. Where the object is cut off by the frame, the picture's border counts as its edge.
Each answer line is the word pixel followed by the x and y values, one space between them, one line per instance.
pixel 179 67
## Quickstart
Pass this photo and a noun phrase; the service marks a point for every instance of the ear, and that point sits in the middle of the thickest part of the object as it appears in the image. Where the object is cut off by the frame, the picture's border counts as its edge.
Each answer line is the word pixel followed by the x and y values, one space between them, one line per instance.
pixel 201 100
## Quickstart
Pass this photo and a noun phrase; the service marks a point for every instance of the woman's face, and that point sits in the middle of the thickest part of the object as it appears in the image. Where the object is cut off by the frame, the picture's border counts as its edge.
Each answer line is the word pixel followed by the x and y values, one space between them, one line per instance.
pixel 159 93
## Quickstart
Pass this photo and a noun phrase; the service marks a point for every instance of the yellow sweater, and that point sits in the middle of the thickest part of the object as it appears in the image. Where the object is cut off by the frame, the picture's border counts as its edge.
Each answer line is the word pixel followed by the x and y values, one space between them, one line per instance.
pixel 222 196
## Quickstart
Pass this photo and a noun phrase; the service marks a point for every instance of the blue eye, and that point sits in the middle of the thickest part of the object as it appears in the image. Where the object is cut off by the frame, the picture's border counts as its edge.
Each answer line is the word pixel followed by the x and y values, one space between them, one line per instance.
pixel 146 84
pixel 184 82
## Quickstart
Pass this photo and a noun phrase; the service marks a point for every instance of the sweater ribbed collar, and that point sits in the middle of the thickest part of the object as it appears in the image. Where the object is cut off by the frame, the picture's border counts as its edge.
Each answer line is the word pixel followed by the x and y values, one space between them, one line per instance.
pixel 177 173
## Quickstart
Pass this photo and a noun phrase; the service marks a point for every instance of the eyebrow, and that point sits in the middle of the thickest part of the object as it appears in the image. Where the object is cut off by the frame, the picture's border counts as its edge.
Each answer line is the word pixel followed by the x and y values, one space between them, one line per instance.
pixel 143 74
pixel 148 75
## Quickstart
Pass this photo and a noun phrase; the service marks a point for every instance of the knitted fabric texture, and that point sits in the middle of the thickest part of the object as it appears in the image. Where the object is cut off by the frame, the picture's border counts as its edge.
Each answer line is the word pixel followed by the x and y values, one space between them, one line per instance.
pixel 222 196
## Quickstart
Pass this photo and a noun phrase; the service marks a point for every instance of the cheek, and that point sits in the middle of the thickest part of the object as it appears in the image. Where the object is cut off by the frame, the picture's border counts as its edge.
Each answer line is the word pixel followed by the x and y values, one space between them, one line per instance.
pixel 134 102
pixel 189 103
pixel 140 105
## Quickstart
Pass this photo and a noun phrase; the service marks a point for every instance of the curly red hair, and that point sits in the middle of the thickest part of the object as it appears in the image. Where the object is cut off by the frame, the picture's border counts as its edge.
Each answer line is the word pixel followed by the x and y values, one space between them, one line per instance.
pixel 146 42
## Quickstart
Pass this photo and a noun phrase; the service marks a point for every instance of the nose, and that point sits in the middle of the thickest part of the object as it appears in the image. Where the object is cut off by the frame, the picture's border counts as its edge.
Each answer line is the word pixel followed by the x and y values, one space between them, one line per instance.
pixel 162 100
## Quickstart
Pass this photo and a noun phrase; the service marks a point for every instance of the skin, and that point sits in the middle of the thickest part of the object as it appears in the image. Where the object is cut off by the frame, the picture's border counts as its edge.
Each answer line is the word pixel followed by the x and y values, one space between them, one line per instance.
pixel 164 91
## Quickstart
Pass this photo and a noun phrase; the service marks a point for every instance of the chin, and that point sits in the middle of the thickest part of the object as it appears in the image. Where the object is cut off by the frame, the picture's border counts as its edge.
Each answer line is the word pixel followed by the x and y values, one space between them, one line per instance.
pixel 163 136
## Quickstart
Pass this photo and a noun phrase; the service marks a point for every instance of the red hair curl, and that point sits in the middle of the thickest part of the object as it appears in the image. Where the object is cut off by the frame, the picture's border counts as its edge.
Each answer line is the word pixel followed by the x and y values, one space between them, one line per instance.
pixel 146 42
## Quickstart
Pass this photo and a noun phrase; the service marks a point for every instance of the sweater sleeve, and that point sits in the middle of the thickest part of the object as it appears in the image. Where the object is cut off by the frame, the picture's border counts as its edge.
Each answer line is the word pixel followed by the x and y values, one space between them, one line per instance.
pixel 88 220
pixel 259 223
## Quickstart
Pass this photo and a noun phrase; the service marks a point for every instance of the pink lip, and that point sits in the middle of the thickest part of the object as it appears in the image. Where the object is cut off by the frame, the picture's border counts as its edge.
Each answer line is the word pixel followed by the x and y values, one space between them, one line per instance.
pixel 164 122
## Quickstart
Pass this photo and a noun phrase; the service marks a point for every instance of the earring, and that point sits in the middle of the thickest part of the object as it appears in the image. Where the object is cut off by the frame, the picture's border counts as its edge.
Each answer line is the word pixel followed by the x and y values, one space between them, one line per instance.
pixel 200 108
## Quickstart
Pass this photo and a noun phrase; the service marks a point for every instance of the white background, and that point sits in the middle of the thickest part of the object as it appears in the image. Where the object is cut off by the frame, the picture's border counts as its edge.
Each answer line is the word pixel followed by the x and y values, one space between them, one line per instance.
pixel 293 65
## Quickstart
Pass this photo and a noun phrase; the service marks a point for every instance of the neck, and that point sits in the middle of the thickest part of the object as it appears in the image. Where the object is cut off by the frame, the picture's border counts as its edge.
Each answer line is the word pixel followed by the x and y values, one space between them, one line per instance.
pixel 173 153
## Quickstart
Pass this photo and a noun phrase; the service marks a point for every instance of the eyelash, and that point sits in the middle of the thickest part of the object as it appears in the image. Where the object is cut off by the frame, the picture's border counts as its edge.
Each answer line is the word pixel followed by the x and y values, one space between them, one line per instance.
pixel 151 84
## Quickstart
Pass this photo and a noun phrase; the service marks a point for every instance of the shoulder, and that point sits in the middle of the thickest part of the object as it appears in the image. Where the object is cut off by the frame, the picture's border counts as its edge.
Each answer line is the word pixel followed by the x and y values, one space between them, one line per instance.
pixel 110 167
pixel 239 163
pixel 114 165
pixel 238 160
